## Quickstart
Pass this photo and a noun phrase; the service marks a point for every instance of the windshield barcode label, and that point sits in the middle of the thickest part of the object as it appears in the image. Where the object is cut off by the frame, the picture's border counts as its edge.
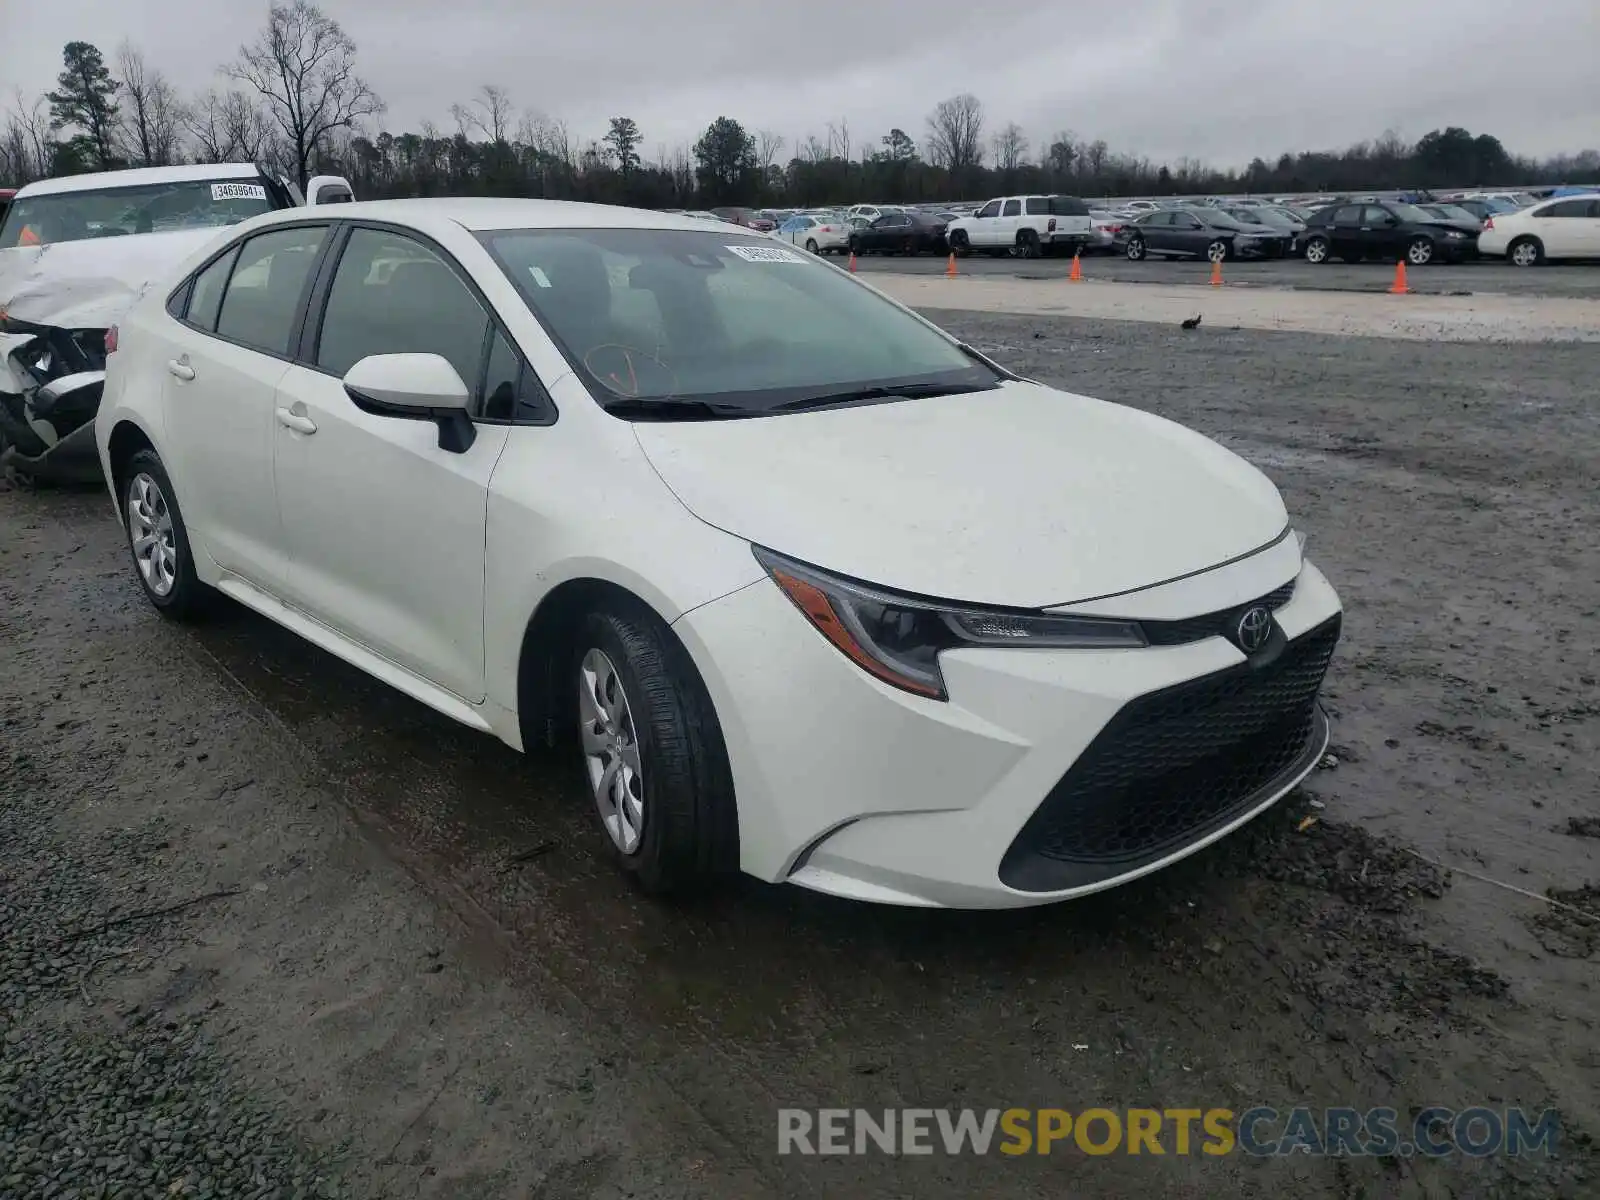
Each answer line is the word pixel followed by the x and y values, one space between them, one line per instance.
pixel 770 254
pixel 238 191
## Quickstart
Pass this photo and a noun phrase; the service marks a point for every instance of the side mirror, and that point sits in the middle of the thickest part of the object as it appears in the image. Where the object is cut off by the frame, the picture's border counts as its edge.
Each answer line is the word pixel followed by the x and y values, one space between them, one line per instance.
pixel 417 387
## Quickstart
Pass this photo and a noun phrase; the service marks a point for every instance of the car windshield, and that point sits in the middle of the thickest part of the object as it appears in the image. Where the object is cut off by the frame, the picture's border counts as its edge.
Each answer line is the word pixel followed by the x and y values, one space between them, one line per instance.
pixel 736 324
pixel 149 208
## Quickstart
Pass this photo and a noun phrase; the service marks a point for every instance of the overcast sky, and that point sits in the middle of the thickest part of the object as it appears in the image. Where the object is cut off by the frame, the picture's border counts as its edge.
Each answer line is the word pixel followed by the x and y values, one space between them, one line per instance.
pixel 1220 80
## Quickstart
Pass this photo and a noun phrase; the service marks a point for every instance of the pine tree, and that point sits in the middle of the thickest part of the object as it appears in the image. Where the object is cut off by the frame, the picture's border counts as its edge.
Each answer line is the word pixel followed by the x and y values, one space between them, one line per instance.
pixel 87 99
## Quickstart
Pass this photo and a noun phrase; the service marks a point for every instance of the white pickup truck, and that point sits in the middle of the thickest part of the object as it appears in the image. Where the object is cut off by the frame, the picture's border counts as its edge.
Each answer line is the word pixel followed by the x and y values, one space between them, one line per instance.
pixel 1025 226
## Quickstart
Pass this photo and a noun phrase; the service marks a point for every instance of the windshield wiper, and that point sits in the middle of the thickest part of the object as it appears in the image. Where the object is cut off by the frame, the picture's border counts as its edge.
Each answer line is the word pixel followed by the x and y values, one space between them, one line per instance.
pixel 675 410
pixel 908 391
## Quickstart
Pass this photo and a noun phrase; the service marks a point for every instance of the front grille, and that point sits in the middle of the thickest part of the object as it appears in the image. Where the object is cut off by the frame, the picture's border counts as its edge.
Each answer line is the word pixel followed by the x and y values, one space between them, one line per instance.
pixel 1216 624
pixel 1175 765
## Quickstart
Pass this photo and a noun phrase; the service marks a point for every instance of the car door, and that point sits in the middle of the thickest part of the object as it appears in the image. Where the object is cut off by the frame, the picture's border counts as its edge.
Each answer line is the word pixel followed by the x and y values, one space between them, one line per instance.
pixel 1344 231
pixel 1383 234
pixel 985 223
pixel 1007 224
pixel 1156 229
pixel 240 318
pixel 1186 234
pixel 1588 230
pixel 384 527
pixel 1560 226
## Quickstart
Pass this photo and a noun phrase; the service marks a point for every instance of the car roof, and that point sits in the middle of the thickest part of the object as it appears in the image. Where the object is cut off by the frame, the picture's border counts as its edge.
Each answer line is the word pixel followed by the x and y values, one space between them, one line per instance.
pixel 485 213
pixel 136 177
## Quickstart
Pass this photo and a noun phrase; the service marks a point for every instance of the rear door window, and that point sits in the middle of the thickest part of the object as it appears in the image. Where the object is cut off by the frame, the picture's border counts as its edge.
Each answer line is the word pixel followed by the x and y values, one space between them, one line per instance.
pixel 206 298
pixel 1013 208
pixel 262 300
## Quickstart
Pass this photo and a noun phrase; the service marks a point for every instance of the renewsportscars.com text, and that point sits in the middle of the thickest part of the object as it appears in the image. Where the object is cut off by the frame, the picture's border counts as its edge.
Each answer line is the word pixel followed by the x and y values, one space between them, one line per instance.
pixel 1432 1132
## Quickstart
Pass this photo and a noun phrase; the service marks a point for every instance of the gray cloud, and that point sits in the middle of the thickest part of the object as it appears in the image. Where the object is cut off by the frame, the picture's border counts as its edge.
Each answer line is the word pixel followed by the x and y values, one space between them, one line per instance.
pixel 1218 80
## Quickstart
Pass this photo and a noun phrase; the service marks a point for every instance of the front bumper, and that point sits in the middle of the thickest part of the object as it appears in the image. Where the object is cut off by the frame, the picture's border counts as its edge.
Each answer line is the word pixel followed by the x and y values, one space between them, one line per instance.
pixel 1047 775
pixel 1262 247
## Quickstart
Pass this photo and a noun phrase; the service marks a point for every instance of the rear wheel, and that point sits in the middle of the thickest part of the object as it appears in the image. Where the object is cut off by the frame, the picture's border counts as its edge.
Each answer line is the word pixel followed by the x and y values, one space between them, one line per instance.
pixel 1027 244
pixel 653 754
pixel 1317 250
pixel 811 245
pixel 1525 252
pixel 162 559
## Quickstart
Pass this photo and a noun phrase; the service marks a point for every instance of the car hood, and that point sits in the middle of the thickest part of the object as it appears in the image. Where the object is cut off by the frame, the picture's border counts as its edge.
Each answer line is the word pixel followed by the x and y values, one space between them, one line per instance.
pixel 1022 496
pixel 90 284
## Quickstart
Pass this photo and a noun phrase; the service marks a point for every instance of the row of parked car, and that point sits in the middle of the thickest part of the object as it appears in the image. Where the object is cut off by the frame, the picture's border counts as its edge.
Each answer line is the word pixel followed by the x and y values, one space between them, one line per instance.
pixel 1518 226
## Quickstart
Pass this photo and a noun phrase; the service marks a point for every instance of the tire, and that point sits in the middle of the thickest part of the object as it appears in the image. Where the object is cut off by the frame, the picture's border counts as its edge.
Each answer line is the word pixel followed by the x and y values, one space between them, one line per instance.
pixel 908 247
pixel 811 245
pixel 683 835
pixel 959 246
pixel 855 246
pixel 1317 250
pixel 158 541
pixel 1419 251
pixel 1027 244
pixel 1136 249
pixel 1218 251
pixel 1525 252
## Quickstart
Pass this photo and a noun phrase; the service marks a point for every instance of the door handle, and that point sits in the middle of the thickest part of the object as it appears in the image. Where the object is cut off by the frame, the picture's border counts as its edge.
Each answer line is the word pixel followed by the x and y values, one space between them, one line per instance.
pixel 296 422
pixel 180 368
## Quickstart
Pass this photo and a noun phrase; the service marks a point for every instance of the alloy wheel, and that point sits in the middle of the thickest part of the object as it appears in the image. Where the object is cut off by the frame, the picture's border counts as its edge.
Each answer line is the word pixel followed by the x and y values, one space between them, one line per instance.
pixel 611 750
pixel 1525 254
pixel 1217 251
pixel 1316 251
pixel 155 549
pixel 1420 252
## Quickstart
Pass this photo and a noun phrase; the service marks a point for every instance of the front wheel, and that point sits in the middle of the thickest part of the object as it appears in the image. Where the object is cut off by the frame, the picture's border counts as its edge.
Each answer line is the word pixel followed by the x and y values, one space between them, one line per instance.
pixel 1217 251
pixel 1420 252
pixel 653 754
pixel 1317 250
pixel 959 246
pixel 855 246
pixel 158 540
pixel 1136 250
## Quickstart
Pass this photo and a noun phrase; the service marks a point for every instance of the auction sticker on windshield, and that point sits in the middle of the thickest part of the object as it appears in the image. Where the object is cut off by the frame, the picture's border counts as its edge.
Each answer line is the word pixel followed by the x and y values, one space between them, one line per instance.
pixel 772 254
pixel 238 191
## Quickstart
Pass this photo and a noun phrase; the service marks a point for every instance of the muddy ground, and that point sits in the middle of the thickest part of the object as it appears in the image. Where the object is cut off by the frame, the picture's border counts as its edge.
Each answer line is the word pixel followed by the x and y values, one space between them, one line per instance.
pixel 425 980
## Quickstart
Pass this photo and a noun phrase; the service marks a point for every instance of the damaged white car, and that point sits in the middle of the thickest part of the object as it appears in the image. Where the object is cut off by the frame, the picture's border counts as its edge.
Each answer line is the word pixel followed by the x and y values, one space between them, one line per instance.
pixel 75 253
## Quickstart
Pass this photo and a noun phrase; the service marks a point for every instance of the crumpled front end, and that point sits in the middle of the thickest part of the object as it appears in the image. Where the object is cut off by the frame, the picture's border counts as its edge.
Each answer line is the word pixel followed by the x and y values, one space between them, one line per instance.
pixel 51 379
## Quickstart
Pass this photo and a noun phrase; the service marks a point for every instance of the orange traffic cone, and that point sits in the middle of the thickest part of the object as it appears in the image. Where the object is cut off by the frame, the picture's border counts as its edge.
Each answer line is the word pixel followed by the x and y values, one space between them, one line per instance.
pixel 1216 273
pixel 1077 270
pixel 950 268
pixel 852 262
pixel 1398 287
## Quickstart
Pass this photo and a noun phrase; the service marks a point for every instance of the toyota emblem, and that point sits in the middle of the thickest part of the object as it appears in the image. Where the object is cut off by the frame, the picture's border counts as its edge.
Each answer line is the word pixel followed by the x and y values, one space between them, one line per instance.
pixel 1255 627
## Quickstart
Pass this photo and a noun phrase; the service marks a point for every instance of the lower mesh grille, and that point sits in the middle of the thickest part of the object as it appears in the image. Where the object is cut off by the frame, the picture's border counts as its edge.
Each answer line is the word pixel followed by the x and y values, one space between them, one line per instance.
pixel 1175 765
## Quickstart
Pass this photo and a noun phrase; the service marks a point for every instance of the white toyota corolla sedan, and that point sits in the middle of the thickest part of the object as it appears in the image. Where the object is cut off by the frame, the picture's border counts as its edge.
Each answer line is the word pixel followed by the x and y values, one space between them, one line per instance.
pixel 816 590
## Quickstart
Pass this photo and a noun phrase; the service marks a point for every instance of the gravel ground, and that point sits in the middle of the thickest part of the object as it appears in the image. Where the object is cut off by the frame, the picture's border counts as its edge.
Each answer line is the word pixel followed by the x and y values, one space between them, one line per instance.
pixel 426 980
pixel 1474 278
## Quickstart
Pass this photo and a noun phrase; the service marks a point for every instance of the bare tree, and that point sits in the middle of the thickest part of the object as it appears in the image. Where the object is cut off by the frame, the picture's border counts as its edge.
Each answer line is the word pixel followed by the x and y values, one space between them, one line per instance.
pixel 549 138
pixel 154 118
pixel 489 113
pixel 303 63
pixel 1010 148
pixel 768 146
pixel 839 140
pixel 26 147
pixel 815 150
pixel 955 134
pixel 227 128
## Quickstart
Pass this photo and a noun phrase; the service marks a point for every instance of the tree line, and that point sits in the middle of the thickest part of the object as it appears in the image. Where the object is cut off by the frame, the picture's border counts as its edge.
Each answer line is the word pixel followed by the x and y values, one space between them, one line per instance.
pixel 292 97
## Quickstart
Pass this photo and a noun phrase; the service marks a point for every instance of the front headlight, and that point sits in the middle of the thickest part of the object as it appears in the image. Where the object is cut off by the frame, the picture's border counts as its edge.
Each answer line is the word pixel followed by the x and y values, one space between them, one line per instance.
pixel 899 638
pixel 1454 233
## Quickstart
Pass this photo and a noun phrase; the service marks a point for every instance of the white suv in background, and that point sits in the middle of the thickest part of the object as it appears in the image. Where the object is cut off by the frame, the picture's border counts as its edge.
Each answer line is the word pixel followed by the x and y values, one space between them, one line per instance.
pixel 1568 227
pixel 1027 226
